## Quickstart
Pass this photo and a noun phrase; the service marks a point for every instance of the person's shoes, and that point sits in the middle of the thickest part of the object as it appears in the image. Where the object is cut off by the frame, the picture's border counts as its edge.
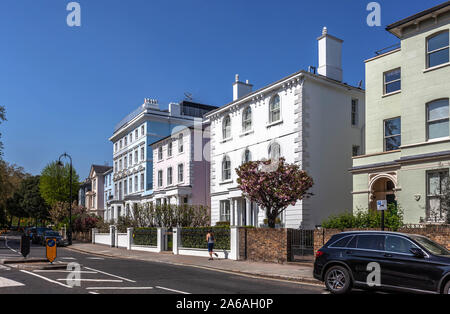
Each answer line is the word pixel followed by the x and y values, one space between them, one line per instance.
pixel 216 255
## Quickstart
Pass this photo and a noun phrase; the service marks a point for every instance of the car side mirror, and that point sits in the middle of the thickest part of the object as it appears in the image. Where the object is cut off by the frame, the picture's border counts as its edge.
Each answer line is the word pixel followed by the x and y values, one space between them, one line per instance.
pixel 417 252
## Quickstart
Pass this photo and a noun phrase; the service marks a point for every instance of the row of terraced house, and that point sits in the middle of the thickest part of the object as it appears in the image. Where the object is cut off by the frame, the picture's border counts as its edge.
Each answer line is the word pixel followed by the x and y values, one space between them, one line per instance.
pixel 388 142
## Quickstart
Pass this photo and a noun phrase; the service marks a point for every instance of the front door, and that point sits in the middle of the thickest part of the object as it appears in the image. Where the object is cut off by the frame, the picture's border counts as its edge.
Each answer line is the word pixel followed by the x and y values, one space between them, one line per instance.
pixel 244 213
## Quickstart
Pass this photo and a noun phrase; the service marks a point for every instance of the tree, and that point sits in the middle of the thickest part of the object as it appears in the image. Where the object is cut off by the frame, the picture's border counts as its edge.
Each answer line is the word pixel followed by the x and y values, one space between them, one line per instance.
pixel 273 185
pixel 32 201
pixel 55 184
pixel 14 207
pixel 11 177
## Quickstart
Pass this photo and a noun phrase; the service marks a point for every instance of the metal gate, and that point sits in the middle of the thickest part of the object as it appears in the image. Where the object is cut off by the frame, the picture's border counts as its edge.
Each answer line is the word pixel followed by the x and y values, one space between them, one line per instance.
pixel 302 245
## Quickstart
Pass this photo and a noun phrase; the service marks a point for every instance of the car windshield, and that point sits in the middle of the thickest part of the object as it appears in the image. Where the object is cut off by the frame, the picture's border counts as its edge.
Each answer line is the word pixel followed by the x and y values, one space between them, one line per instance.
pixel 431 246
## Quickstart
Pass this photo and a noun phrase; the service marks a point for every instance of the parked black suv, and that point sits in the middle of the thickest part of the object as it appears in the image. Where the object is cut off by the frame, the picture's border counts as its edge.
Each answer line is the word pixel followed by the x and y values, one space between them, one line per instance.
pixel 406 262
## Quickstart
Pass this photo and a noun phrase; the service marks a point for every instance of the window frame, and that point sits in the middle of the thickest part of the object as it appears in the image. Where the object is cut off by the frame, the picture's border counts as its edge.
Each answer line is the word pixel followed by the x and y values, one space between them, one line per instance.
pixel 428 53
pixel 226 159
pixel 160 153
pixel 169 176
pixel 271 110
pixel 355 113
pixel 446 173
pixel 180 143
pixel 393 81
pixel 226 128
pixel 180 173
pixel 244 155
pixel 269 150
pixel 390 136
pixel 225 211
pixel 160 178
pixel 428 121
pixel 247 120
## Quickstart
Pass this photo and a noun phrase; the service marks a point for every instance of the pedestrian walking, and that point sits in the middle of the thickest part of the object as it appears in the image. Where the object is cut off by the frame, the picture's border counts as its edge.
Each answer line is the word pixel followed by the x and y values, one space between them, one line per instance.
pixel 210 239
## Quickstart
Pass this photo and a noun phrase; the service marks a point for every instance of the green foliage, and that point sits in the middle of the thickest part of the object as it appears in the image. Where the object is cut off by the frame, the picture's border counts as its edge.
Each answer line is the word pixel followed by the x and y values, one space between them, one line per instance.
pixel 145 236
pixel 33 203
pixel 393 219
pixel 196 237
pixel 166 216
pixel 222 223
pixel 55 183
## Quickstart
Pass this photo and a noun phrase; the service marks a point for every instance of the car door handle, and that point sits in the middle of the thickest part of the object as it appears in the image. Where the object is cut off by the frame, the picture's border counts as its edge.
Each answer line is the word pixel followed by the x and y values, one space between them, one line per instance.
pixel 387 255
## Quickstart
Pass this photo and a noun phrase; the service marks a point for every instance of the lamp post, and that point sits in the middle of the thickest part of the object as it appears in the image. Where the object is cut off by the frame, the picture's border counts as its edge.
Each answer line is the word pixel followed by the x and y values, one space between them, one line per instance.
pixel 69 232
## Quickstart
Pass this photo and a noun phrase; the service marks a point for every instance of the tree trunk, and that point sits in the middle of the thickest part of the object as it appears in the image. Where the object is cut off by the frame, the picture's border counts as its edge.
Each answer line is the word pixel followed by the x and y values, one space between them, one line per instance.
pixel 271 219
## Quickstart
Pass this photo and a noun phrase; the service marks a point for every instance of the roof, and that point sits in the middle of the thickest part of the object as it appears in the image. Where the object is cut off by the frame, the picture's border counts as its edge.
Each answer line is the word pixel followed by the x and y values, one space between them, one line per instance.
pixel 301 72
pixel 393 26
pixel 100 169
pixel 172 135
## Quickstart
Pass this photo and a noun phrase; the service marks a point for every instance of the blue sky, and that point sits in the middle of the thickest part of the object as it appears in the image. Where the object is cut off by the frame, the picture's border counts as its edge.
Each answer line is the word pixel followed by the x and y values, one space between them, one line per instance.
pixel 65 88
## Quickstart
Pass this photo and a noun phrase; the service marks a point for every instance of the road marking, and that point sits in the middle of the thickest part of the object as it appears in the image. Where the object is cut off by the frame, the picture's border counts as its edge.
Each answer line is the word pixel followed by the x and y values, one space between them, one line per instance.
pixel 2 267
pixel 105 273
pixel 119 288
pixel 63 271
pixel 6 243
pixel 69 258
pixel 49 280
pixel 92 280
pixel 172 290
pixel 92 292
pixel 5 283
pixel 96 258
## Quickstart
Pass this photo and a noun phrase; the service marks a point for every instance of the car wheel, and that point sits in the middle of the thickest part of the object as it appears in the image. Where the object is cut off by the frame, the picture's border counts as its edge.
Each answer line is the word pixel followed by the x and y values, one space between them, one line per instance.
pixel 447 288
pixel 337 280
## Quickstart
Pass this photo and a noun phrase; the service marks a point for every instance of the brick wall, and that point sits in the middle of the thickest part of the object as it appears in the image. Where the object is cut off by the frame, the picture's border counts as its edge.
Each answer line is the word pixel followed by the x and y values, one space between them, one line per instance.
pixel 439 233
pixel 264 244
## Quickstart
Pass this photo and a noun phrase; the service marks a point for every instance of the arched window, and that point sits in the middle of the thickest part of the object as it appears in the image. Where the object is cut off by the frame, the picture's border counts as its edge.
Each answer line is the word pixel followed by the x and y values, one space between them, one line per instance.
pixel 226 127
pixel 274 151
pixel 438 119
pixel 274 109
pixel 247 156
pixel 226 168
pixel 438 49
pixel 247 119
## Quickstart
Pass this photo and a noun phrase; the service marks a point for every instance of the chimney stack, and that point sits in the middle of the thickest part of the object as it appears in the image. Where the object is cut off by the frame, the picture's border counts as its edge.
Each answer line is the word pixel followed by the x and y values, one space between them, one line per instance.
pixel 330 56
pixel 241 89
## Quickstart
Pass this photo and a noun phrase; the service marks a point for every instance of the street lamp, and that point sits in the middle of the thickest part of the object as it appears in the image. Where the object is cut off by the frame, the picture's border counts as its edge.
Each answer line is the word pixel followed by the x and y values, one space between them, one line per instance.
pixel 60 164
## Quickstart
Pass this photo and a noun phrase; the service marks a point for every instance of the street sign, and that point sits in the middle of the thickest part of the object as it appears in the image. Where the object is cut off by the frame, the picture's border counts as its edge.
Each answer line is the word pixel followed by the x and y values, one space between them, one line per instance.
pixel 51 249
pixel 25 245
pixel 382 205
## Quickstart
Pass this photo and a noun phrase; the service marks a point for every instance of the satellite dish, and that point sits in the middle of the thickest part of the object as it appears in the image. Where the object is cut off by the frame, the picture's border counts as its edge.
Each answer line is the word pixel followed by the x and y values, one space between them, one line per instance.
pixel 188 96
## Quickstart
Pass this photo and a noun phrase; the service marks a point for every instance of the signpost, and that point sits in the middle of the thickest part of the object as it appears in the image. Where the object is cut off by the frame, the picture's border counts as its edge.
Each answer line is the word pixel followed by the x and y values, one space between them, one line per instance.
pixel 51 249
pixel 25 245
pixel 382 206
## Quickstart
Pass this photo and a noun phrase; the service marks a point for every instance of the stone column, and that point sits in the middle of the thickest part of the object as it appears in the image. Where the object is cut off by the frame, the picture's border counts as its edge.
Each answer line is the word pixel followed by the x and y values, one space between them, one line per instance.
pixel 248 207
pixel 176 243
pixel 160 240
pixel 232 213
pixel 234 245
pixel 129 238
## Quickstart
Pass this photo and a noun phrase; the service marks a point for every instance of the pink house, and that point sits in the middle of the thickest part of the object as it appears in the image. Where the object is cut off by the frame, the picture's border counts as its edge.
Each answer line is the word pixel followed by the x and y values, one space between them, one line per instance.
pixel 181 168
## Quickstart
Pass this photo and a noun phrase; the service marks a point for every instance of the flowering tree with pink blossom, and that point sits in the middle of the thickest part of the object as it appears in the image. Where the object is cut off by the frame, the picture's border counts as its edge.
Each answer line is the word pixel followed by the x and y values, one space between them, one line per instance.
pixel 273 185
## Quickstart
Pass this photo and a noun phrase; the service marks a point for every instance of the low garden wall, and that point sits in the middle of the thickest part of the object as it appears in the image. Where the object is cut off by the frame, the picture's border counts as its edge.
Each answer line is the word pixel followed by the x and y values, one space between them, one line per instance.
pixel 438 233
pixel 82 236
pixel 265 244
pixel 192 241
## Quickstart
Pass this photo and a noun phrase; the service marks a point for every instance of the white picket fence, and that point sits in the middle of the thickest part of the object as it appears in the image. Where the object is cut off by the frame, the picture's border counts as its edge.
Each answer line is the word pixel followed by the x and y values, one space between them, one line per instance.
pixel 125 240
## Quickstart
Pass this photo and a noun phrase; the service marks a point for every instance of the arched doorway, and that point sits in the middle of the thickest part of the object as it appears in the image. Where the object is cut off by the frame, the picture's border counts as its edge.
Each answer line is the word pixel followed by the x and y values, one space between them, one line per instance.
pixel 382 188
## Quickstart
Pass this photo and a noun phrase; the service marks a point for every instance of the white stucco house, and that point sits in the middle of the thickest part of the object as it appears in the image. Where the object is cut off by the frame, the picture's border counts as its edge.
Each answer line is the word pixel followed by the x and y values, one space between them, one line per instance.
pixel 314 120
pixel 132 152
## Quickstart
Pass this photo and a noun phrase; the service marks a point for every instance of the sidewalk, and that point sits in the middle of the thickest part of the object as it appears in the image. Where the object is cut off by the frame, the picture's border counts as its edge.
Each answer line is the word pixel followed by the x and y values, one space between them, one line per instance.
pixel 291 271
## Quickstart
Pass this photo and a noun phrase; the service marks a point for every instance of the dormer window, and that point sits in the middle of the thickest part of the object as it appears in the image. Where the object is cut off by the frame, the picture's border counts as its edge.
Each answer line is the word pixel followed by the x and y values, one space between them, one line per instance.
pixel 438 49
